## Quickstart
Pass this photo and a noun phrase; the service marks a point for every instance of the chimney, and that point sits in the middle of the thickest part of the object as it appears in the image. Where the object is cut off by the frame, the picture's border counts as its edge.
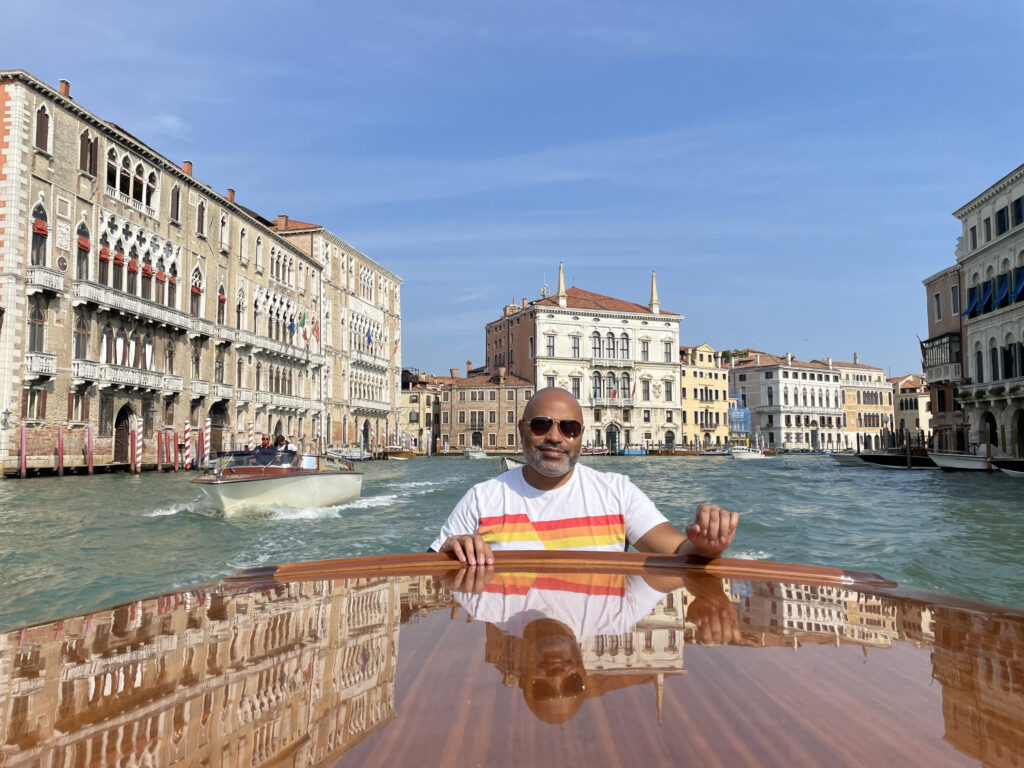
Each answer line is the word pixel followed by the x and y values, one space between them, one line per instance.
pixel 501 375
pixel 757 359
pixel 855 358
pixel 231 195
pixel 65 89
pixel 789 358
pixel 454 372
pixel 282 222
pixel 524 302
pixel 187 167
pixel 469 366
pixel 830 363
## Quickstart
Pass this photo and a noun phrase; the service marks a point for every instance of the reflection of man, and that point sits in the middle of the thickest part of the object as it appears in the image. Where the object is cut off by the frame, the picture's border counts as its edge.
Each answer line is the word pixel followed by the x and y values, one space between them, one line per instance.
pixel 553 503
pixel 546 617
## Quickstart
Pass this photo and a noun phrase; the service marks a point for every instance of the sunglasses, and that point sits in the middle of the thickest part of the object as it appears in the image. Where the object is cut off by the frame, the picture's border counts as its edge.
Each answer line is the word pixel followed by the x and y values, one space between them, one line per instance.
pixel 570 428
pixel 572 686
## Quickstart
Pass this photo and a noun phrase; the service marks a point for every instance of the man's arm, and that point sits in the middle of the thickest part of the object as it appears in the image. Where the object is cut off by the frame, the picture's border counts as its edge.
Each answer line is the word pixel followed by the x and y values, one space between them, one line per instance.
pixel 460 533
pixel 710 534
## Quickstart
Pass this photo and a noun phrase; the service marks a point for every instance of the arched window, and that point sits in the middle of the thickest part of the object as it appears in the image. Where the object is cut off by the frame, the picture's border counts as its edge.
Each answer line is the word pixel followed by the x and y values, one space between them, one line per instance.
pixel 125 178
pixel 175 203
pixel 240 311
pixel 197 361
pixel 172 286
pixel 88 149
pixel 610 345
pixel 132 272
pixel 134 351
pixel 118 270
pixel 218 367
pixel 146 357
pixel 121 348
pixel 259 376
pixel 150 189
pixel 597 383
pixel 169 357
pixel 81 339
pixel 196 294
pixel 239 371
pixel 610 386
pixel 625 382
pixel 624 347
pixel 805 398
pixel 771 396
pixel 107 345
pixel 225 233
pixel 43 128
pixel 139 184
pixel 201 218
pixel 596 346
pixel 243 245
pixel 112 170
pixel 39 233
pixel 82 253
pixel 222 304
pixel 36 329
pixel 785 396
pixel 259 253
pixel 147 277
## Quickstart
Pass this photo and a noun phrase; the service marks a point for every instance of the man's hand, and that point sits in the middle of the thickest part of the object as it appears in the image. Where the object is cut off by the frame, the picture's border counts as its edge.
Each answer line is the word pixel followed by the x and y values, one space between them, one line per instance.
pixel 712 530
pixel 471 549
pixel 711 610
pixel 471 578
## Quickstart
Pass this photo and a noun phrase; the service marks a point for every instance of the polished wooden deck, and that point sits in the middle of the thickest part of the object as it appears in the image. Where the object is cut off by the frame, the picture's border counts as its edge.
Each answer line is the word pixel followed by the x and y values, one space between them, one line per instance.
pixel 390 661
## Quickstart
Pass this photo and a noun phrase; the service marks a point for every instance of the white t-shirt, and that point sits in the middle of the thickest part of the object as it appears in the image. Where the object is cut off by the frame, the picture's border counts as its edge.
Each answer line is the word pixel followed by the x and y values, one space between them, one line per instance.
pixel 589 604
pixel 594 511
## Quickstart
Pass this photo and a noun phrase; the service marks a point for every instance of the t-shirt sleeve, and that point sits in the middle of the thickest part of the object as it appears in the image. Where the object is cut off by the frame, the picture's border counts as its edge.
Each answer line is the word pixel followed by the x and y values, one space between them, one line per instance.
pixel 464 519
pixel 640 513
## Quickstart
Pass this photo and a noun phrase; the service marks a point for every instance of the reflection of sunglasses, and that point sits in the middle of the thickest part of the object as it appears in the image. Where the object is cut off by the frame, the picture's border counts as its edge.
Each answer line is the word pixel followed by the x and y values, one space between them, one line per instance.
pixel 570 428
pixel 572 686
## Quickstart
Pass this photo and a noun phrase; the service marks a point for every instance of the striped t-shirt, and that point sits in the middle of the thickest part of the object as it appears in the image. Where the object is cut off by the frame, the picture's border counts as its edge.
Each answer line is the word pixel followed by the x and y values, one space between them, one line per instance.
pixel 594 511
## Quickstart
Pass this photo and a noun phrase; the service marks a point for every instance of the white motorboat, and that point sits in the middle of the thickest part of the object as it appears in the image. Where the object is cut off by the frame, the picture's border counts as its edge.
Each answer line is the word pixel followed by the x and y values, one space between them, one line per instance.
pixel 507 463
pixel 959 461
pixel 356 453
pixel 848 458
pixel 745 452
pixel 474 453
pixel 241 480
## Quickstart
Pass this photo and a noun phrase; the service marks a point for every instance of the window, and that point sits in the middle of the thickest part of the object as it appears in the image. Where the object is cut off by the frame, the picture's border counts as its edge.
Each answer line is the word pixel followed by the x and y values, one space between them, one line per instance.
pixel 551 346
pixel 81 339
pixel 147 278
pixel 595 343
pixel 574 384
pixel 1002 220
pixel 954 300
pixel 668 351
pixel 492 417
pixel 645 351
pixel 88 152
pixel 531 348
pixel 668 417
pixel 43 129
pixel 39 232
pixel 668 391
pixel 972 236
pixel 175 203
pixel 82 254
pixel 444 417
pixel 510 395
pixel 510 417
pixel 510 439
pixel 196 295
pixel 201 218
pixel 492 440
pixel 575 346
pixel 34 404
pixel 624 347
pixel 937 301
pixel 987 224
pixel 36 327
pixel 222 303
pixel 647 417
pixel 550 381
pixel 462 417
pixel 218 368
pixel 645 390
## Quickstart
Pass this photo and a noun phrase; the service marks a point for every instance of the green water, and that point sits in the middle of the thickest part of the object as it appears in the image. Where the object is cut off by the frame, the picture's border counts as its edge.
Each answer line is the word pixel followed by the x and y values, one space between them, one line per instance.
pixel 75 544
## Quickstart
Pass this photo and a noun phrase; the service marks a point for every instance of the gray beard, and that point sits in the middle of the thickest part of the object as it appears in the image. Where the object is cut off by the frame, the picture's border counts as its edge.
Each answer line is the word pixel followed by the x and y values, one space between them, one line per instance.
pixel 538 465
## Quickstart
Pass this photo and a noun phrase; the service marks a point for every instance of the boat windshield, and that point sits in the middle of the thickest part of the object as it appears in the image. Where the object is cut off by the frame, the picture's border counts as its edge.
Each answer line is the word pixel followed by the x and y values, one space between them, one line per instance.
pixel 229 459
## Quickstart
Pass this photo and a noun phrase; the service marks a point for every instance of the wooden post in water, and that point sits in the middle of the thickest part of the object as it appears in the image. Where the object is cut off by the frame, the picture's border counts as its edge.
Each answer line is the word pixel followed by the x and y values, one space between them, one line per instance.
pixel 60 451
pixel 88 449
pixel 23 461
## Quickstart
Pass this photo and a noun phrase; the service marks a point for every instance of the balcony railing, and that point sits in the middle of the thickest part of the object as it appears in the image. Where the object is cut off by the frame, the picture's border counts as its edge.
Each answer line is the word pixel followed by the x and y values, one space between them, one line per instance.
pixel 612 402
pixel 199 388
pixel 44 278
pixel 611 362
pixel 263 398
pixel 86 370
pixel 245 338
pixel 374 405
pixel 109 297
pixel 131 202
pixel 944 372
pixel 41 364
pixel 124 376
pixel 200 327
pixel 243 395
pixel 1003 389
pixel 222 392
pixel 288 401
pixel 227 334
pixel 371 360
pixel 173 383
pixel 282 348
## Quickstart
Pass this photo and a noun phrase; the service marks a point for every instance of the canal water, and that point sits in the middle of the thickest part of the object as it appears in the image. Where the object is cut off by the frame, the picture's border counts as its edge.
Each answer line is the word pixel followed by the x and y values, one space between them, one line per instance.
pixel 74 544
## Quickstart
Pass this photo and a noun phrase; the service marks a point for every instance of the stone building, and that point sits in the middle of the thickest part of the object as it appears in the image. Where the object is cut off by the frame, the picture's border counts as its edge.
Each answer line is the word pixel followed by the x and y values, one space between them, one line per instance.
pixel 943 358
pixel 794 404
pixel 618 358
pixel 420 418
pixel 990 254
pixel 704 397
pixel 867 406
pixel 136 298
pixel 911 407
pixel 482 410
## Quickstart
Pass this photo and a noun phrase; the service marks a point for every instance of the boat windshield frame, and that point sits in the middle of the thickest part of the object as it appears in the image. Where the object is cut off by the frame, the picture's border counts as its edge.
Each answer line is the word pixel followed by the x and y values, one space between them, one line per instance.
pixel 232 459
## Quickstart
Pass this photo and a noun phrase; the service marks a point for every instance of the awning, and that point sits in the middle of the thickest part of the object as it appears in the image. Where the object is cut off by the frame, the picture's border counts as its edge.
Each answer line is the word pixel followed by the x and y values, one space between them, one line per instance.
pixel 986 297
pixel 973 304
pixel 1018 289
pixel 1004 288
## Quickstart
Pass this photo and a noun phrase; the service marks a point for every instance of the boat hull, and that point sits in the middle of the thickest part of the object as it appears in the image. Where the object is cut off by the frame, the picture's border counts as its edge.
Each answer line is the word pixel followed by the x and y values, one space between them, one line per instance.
pixel 1012 467
pixel 898 461
pixel 301 489
pixel 960 462
pixel 848 459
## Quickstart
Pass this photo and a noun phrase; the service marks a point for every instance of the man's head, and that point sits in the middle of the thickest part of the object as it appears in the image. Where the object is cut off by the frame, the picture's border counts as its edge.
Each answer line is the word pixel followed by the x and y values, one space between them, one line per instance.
pixel 552 432
pixel 552 678
pixel 280 441
pixel 265 440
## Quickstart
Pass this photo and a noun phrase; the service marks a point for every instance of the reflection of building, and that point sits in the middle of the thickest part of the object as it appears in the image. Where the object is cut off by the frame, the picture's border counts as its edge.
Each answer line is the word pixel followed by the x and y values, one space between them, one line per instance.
pixel 618 358
pixel 135 297
pixel 704 397
pixel 205 678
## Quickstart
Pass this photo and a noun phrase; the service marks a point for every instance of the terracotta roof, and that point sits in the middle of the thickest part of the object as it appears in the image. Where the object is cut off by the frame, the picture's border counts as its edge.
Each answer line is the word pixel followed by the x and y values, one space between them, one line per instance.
pixel 768 360
pixel 838 364
pixel 292 226
pixel 577 298
pixel 511 380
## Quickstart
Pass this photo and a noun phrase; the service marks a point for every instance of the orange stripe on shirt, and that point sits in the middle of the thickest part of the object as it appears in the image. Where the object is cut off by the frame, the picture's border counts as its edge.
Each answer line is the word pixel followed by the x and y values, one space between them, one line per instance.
pixel 574 532
pixel 613 584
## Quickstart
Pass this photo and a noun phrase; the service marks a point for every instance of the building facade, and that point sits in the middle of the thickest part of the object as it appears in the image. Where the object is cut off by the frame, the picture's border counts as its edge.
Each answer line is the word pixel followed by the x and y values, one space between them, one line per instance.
pixel 482 411
pixel 911 405
pixel 421 412
pixel 794 404
pixel 867 406
pixel 618 358
pixel 704 397
pixel 136 298
pixel 943 358
pixel 990 254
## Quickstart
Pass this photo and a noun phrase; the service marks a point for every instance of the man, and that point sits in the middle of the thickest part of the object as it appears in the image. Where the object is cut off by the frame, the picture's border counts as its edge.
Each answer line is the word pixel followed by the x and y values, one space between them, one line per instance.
pixel 265 452
pixel 551 503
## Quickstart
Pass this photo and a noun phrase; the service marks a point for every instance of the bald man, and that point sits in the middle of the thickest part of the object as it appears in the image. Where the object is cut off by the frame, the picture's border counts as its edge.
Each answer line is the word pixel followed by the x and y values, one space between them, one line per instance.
pixel 553 503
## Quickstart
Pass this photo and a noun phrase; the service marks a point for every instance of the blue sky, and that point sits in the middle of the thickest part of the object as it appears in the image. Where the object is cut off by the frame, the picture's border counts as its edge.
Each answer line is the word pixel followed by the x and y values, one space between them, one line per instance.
pixel 788 169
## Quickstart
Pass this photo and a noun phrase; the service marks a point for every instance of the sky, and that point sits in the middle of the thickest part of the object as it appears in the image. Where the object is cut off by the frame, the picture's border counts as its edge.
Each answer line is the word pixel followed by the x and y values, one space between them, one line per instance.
pixel 787 169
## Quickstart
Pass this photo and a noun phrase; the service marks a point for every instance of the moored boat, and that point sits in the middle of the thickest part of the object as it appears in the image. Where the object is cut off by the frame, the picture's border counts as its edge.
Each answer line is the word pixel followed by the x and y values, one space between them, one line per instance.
pixel 898 459
pixel 242 480
pixel 1012 467
pixel 960 461
pixel 356 453
pixel 594 452
pixel 848 458
pixel 746 452
pixel 474 452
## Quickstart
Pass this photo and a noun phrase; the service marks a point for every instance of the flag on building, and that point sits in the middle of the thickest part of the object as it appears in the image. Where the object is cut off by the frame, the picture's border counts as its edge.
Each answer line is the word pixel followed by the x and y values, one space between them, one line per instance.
pixel 302 325
pixel 316 330
pixel 291 326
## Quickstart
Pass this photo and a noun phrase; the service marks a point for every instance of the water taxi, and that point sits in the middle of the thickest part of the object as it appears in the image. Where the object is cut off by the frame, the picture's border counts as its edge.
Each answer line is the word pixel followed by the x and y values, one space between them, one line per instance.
pixel 240 480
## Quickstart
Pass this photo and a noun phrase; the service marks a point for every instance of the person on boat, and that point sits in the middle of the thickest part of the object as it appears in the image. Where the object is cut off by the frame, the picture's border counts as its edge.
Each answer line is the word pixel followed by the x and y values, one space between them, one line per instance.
pixel 553 503
pixel 265 451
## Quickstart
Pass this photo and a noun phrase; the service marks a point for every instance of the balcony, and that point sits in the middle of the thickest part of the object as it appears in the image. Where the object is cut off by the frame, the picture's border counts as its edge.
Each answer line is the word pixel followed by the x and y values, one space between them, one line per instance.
pixel 613 402
pixel 83 371
pixel 173 384
pixel 43 279
pixel 373 361
pixel 199 327
pixel 243 395
pixel 371 405
pixel 318 360
pixel 245 339
pixel 288 401
pixel 263 398
pixel 41 365
pixel 944 372
pixel 992 391
pixel 282 348
pixel 109 298
pixel 199 388
pixel 611 362
pixel 222 392
pixel 124 199
pixel 226 335
pixel 122 376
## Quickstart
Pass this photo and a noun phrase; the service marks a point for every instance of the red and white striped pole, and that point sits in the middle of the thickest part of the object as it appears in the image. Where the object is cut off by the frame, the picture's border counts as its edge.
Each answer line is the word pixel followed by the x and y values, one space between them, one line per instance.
pixel 252 436
pixel 206 443
pixel 188 445
pixel 138 447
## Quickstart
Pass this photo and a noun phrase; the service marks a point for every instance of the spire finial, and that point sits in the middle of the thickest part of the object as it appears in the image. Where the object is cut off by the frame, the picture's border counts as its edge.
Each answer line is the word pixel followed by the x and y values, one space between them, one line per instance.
pixel 562 298
pixel 655 305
